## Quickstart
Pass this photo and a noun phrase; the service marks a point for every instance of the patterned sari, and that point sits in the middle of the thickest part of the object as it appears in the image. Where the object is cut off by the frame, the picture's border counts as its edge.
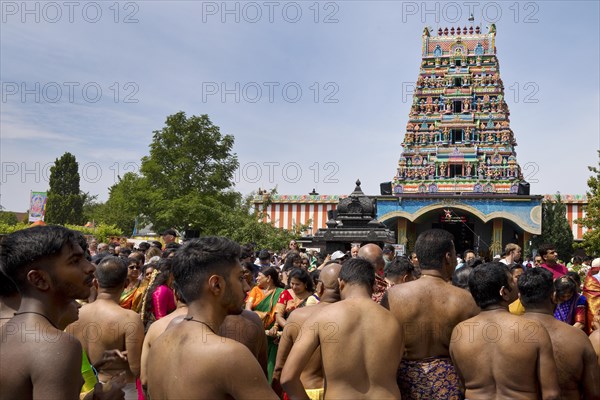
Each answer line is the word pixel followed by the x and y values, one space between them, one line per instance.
pixel 591 291
pixel 128 295
pixel 572 310
pixel 267 305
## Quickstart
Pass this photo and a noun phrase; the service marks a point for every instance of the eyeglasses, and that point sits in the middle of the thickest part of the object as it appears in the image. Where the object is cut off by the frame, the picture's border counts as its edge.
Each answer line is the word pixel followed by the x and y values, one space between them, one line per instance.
pixel 134 267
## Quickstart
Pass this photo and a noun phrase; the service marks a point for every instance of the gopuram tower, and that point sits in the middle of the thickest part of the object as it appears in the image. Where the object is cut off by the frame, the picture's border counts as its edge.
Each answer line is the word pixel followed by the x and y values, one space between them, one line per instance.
pixel 458 137
pixel 458 168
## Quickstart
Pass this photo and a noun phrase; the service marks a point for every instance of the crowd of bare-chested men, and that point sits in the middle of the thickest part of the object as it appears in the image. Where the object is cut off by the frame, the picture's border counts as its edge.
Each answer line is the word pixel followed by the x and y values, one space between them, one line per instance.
pixel 365 332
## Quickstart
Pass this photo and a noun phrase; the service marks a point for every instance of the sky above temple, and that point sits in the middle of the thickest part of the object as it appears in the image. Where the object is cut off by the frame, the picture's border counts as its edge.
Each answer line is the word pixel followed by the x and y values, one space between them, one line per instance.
pixel 317 94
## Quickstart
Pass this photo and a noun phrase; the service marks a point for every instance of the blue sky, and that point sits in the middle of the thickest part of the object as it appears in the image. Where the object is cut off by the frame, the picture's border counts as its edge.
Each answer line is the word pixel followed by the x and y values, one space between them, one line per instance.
pixel 315 93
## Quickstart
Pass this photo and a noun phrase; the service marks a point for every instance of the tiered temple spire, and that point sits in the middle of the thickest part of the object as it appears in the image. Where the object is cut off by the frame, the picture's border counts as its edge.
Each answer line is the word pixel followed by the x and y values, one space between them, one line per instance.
pixel 458 138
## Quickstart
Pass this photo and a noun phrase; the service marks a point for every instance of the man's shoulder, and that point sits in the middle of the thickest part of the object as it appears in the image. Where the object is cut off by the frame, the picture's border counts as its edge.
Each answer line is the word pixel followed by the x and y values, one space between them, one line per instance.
pixel 302 314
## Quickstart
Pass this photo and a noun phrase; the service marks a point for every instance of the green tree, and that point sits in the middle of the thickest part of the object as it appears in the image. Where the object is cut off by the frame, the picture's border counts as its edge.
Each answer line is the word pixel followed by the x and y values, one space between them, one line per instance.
pixel 65 201
pixel 9 218
pixel 556 229
pixel 591 239
pixel 189 173
pixel 126 202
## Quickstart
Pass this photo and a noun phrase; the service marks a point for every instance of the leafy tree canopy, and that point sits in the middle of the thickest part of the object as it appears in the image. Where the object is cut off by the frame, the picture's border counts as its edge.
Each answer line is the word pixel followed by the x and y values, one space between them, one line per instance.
pixel 591 239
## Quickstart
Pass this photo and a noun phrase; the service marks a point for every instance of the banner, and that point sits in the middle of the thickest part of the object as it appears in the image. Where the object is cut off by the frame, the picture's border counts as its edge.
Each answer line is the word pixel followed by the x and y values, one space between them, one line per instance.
pixel 37 206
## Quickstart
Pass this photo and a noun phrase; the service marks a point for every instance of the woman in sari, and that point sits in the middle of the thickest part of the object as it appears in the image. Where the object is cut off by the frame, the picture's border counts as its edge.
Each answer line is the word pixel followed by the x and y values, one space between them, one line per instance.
pixel 591 291
pixel 301 289
pixel 572 307
pixel 132 292
pixel 263 299
pixel 159 299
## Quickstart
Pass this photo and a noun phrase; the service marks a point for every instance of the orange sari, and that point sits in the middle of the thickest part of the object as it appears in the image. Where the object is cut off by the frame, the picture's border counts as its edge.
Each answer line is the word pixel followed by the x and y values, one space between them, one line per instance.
pixel 591 291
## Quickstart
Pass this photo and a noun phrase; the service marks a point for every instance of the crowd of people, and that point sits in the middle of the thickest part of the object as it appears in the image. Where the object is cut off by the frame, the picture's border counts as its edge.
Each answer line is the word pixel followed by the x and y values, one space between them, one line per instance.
pixel 212 319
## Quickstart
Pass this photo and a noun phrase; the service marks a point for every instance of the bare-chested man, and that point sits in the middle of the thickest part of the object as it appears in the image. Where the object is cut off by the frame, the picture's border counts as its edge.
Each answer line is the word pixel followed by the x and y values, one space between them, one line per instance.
pixel 104 325
pixel 361 342
pixel 374 254
pixel 497 354
pixel 49 267
pixel 189 360
pixel 578 372
pixel 328 291
pixel 10 299
pixel 428 309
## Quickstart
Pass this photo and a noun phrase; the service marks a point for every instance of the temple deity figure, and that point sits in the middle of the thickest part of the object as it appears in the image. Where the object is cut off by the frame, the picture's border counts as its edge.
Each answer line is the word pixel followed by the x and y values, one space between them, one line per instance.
pixel 468 169
pixel 443 169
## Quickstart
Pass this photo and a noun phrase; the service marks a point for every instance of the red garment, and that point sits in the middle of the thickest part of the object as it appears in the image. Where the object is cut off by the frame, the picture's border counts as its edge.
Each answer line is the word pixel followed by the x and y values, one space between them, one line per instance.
pixel 379 288
pixel 557 270
pixel 163 301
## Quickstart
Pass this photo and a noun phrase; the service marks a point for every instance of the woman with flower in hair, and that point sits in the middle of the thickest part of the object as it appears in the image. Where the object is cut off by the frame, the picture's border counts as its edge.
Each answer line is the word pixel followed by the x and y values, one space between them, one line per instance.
pixel 159 299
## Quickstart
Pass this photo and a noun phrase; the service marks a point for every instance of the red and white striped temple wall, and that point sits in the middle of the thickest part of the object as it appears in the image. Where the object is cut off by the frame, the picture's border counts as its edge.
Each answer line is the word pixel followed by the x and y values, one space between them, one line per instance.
pixel 287 211
pixel 575 210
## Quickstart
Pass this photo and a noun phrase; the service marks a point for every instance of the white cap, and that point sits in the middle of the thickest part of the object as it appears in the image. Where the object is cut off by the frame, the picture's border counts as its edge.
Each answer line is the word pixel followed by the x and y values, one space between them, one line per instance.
pixel 337 255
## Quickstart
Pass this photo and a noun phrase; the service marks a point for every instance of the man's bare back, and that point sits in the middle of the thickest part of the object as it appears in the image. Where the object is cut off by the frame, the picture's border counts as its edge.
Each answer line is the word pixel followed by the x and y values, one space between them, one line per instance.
pixel 104 325
pixel 155 330
pixel 248 329
pixel 361 347
pixel 496 354
pixel 201 364
pixel 427 310
pixel 574 355
pixel 312 375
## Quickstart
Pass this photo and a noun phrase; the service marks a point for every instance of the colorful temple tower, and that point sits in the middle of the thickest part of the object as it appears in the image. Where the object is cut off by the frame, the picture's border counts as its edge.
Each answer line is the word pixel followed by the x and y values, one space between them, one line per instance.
pixel 458 168
pixel 458 136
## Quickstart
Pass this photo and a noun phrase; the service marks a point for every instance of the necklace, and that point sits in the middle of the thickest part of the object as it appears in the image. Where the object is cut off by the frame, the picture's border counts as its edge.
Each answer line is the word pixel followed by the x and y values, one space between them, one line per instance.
pixel 200 322
pixel 434 276
pixel 40 314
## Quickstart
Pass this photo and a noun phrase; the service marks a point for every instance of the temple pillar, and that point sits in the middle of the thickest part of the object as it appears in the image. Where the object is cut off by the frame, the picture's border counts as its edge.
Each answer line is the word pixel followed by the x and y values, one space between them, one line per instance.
pixel 526 239
pixel 402 231
pixel 496 244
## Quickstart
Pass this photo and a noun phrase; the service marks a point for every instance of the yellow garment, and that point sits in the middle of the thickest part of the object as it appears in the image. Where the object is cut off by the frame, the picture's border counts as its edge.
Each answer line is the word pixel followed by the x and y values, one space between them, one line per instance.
pixel 315 394
pixel 88 374
pixel 516 307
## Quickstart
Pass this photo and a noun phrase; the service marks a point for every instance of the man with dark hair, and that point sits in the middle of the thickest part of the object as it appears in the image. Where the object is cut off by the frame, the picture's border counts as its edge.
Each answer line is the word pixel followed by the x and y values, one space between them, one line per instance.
pixel 578 372
pixel 49 268
pixel 169 236
pixel 399 271
pixel 328 291
pixel 428 309
pixel 487 348
pixel 143 246
pixel 373 253
pixel 104 325
pixel 352 334
pixel 549 261
pixel 209 278
pixel 469 255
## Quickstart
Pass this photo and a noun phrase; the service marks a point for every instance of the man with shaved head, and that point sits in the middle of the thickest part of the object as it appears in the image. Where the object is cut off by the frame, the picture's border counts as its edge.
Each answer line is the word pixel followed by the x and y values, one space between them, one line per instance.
pixel 374 254
pixel 352 335
pixel 428 309
pixel 114 327
pixel 328 290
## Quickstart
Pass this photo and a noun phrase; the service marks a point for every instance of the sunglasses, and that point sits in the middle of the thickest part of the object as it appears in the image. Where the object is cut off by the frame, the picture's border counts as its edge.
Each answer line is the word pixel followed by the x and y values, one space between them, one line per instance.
pixel 134 267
